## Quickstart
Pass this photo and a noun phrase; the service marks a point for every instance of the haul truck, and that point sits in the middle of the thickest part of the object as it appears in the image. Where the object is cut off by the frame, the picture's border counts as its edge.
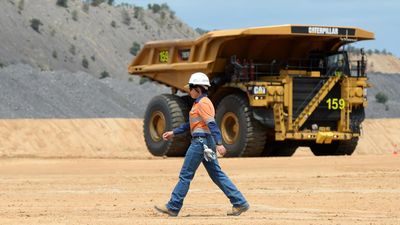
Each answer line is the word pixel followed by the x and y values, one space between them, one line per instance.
pixel 275 88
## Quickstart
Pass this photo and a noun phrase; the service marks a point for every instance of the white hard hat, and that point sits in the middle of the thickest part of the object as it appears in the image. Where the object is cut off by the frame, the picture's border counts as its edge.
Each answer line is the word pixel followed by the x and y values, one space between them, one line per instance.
pixel 199 78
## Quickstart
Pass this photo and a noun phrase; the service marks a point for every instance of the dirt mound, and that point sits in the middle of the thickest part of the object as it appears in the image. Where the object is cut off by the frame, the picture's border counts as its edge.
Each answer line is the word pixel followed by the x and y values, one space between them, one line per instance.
pixel 123 138
pixel 85 138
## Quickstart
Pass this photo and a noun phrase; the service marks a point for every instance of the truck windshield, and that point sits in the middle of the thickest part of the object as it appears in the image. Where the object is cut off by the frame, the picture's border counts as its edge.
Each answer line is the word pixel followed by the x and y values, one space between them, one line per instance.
pixel 337 64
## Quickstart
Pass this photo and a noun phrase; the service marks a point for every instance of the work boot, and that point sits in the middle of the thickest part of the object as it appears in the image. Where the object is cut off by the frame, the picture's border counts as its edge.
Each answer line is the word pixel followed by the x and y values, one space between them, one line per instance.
pixel 165 210
pixel 237 210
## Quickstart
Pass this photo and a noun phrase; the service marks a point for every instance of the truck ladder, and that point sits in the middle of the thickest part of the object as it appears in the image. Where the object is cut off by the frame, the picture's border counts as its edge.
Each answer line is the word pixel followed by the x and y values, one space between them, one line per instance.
pixel 313 104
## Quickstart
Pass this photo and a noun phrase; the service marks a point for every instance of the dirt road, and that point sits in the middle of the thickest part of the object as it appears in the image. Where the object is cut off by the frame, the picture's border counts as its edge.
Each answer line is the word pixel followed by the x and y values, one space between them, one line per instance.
pixel 297 190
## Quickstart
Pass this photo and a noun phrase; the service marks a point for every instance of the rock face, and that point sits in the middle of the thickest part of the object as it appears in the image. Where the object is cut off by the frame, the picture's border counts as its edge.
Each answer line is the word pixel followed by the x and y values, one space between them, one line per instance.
pixel 75 38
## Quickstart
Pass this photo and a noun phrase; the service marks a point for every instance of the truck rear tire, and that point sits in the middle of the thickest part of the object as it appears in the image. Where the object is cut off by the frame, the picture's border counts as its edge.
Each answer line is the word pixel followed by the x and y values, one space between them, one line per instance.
pixel 335 148
pixel 165 112
pixel 242 135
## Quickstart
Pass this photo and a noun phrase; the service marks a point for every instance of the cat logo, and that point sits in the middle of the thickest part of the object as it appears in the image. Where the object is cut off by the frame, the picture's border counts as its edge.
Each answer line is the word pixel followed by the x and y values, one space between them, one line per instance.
pixel 259 90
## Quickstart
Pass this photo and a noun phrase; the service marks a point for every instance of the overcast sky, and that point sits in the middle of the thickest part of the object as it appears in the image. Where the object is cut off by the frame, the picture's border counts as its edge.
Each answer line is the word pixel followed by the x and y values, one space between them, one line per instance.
pixel 381 17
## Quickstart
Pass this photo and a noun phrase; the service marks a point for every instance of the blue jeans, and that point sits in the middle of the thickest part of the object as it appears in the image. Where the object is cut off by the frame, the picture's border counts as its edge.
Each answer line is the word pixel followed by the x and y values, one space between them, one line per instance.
pixel 194 156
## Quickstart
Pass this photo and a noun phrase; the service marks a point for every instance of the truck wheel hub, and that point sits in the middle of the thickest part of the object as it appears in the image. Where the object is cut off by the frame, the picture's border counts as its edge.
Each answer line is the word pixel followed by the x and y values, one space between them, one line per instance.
pixel 230 128
pixel 157 125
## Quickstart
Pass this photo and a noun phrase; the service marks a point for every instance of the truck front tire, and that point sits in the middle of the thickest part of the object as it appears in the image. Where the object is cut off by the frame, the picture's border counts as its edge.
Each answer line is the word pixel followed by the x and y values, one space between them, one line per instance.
pixel 165 112
pixel 242 135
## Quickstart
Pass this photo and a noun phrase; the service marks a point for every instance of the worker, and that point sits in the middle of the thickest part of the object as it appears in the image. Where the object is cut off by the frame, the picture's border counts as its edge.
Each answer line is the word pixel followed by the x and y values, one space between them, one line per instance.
pixel 205 133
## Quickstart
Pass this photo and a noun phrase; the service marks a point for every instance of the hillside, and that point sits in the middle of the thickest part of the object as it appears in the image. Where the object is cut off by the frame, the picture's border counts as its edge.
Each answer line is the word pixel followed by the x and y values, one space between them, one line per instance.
pixel 73 37
pixel 380 63
pixel 95 39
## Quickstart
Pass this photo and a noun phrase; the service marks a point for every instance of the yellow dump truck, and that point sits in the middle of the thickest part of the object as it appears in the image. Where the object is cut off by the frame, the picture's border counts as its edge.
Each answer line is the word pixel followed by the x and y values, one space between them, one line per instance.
pixel 275 88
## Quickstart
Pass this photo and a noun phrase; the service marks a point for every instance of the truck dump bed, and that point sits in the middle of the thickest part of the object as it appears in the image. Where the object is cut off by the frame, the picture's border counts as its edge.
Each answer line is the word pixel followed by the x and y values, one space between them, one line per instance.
pixel 172 62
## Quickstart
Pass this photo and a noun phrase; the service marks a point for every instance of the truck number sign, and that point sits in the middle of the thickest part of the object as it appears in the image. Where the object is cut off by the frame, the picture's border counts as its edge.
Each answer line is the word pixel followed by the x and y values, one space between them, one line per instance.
pixel 164 56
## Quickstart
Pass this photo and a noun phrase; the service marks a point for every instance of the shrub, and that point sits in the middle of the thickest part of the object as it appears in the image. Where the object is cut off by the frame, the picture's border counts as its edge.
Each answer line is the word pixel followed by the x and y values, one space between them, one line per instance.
pixel 126 19
pixel 35 24
pixel 1 65
pixel 93 58
pixel 113 24
pixel 143 80
pixel 155 7
pixel 85 7
pixel 172 15
pixel 72 50
pixel 381 97
pixel 54 54
pixel 21 5
pixel 135 48
pixel 110 2
pixel 104 74
pixel 62 3
pixel 97 2
pixel 85 62
pixel 201 31
pixel 75 15
pixel 163 15
pixel 137 12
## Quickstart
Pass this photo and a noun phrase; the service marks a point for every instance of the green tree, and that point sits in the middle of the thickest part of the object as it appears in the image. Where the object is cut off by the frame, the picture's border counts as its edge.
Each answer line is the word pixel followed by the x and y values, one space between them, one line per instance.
pixel 72 49
pixel 62 3
pixel 85 7
pixel 75 15
pixel 126 19
pixel 143 80
pixel 110 2
pixel 155 8
pixel 35 24
pixel 137 12
pixel 85 62
pixel 113 24
pixel 54 54
pixel 21 5
pixel 135 48
pixel 104 74
pixel 97 2
pixel 381 97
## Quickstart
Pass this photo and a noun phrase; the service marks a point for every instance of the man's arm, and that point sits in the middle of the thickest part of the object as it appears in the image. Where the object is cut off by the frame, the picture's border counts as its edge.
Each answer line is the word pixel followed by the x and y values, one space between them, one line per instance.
pixel 181 129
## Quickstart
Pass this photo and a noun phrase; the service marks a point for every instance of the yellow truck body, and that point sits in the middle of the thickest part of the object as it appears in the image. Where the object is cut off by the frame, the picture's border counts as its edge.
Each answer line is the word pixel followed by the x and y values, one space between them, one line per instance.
pixel 298 85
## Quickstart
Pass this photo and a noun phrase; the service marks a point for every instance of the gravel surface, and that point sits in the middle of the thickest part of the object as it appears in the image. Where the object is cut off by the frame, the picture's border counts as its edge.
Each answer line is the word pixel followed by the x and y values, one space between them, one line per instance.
pixel 26 92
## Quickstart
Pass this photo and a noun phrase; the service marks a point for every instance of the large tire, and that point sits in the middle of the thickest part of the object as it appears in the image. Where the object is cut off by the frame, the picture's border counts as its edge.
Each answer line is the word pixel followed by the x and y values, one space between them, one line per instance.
pixel 165 112
pixel 335 148
pixel 241 133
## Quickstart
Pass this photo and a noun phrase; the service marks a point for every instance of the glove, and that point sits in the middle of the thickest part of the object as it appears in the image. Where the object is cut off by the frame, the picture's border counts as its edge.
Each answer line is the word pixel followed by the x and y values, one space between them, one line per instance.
pixel 209 154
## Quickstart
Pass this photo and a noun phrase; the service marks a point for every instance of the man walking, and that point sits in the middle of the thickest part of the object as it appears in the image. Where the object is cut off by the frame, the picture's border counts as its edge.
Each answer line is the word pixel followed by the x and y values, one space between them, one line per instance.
pixel 205 136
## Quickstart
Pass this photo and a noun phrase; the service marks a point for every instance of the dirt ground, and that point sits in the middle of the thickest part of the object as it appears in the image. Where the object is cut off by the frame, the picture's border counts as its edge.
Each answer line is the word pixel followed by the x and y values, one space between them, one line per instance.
pixel 361 189
pixel 98 171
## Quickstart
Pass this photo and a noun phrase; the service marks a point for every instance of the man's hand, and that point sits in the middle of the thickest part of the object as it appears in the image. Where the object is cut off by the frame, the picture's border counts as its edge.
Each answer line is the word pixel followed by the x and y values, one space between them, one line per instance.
pixel 221 150
pixel 168 135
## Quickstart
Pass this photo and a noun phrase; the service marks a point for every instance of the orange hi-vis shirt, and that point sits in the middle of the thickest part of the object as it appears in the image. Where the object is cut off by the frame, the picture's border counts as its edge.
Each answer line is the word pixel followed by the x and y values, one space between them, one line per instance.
pixel 200 115
pixel 201 120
